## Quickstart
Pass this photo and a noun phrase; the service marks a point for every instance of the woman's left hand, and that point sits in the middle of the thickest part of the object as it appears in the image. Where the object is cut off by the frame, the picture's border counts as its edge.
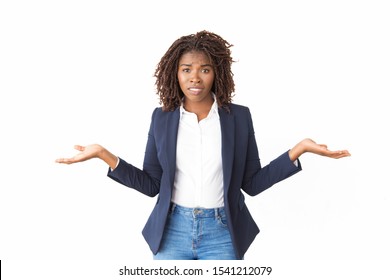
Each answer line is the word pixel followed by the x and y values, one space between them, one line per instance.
pixel 309 146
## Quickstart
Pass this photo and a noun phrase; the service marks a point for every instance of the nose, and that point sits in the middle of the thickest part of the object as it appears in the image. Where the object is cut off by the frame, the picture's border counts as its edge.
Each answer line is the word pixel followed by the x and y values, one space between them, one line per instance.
pixel 195 78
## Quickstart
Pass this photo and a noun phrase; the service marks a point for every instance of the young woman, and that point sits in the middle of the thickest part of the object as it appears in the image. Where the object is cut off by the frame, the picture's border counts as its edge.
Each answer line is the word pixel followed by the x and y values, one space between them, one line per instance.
pixel 201 155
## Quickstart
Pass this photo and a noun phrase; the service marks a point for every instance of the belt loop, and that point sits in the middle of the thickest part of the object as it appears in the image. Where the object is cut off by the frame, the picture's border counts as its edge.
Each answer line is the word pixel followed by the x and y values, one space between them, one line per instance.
pixel 216 212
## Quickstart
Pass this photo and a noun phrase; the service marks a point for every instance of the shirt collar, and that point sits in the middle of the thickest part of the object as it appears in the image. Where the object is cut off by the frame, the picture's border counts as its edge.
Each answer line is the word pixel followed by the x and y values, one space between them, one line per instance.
pixel 214 107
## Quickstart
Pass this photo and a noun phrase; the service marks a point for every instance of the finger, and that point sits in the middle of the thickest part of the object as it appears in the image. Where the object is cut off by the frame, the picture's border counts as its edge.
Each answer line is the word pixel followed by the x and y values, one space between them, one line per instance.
pixel 61 160
pixel 79 148
pixel 341 154
pixel 65 160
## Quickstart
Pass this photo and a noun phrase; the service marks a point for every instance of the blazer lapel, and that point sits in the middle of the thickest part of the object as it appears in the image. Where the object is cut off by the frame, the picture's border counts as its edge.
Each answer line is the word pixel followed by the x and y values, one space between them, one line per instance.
pixel 227 132
pixel 171 128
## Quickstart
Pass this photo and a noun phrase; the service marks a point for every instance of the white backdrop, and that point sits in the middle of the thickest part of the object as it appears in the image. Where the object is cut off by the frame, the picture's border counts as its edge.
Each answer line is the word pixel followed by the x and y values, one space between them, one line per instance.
pixel 81 72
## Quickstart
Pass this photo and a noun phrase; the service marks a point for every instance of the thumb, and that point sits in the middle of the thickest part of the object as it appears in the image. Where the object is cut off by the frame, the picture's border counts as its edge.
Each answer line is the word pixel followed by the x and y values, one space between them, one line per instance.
pixel 79 148
pixel 324 146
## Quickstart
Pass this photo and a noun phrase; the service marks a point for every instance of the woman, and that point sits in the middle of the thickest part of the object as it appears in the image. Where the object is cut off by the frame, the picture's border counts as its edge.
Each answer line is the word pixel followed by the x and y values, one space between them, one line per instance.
pixel 200 155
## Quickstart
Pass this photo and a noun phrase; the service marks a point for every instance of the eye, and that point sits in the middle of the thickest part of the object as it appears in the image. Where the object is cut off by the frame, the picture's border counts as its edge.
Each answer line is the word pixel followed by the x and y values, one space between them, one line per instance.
pixel 186 70
pixel 205 70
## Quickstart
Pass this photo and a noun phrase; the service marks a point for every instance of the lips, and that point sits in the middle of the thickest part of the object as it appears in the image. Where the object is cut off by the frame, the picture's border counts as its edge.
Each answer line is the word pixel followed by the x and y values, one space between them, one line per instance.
pixel 195 90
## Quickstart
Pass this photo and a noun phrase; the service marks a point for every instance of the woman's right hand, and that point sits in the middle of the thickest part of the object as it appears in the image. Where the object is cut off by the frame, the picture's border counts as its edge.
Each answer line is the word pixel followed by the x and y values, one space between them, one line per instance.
pixel 86 153
pixel 91 151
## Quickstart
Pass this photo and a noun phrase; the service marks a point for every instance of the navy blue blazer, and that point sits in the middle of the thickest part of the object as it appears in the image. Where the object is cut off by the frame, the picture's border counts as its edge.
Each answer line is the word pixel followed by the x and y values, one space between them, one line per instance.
pixel 241 172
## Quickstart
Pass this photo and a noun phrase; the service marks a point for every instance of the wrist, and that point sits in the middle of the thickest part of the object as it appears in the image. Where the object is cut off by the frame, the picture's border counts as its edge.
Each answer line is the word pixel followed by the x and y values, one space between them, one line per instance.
pixel 296 151
pixel 108 158
pixel 100 153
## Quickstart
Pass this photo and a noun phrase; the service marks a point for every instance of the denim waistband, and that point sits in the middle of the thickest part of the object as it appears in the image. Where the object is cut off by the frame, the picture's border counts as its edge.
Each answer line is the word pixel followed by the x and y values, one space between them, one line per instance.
pixel 197 212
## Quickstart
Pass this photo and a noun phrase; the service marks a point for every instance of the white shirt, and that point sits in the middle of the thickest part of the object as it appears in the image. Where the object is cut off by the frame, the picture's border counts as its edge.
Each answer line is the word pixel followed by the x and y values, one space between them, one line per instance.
pixel 199 178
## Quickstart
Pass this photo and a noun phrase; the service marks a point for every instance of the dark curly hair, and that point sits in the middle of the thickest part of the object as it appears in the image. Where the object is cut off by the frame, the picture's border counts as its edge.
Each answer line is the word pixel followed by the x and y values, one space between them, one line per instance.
pixel 218 51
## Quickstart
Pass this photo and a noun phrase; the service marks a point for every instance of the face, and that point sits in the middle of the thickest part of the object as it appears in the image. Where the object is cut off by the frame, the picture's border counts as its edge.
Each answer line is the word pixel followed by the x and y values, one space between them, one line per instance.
pixel 196 78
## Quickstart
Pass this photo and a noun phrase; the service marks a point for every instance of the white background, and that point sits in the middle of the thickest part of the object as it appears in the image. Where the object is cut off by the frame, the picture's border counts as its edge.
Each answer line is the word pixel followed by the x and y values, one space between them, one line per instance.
pixel 81 72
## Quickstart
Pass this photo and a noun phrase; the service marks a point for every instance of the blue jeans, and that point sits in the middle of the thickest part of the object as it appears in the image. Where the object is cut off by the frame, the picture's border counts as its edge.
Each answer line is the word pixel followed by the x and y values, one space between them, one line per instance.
pixel 196 234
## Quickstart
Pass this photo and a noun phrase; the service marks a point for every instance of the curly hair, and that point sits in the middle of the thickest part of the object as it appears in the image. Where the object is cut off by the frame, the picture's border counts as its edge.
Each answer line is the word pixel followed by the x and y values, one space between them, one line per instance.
pixel 218 51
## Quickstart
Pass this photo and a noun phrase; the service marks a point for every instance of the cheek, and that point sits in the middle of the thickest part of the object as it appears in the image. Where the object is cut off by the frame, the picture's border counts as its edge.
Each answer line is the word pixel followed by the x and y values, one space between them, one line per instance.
pixel 210 80
pixel 181 76
pixel 181 81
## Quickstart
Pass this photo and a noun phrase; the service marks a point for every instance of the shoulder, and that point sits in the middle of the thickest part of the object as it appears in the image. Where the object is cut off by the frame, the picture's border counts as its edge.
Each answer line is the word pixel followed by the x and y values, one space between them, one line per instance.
pixel 241 114
pixel 159 111
pixel 237 110
pixel 159 115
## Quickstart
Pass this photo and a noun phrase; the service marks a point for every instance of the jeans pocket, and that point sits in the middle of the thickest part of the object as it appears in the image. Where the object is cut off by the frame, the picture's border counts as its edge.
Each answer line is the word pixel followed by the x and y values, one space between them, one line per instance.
pixel 222 221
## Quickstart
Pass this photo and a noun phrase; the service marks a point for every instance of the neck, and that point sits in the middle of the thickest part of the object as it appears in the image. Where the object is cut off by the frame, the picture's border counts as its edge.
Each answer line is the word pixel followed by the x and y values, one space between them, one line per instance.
pixel 201 109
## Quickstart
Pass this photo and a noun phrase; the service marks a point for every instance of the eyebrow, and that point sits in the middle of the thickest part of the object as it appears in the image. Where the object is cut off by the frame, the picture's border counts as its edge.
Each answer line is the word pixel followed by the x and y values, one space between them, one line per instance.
pixel 203 65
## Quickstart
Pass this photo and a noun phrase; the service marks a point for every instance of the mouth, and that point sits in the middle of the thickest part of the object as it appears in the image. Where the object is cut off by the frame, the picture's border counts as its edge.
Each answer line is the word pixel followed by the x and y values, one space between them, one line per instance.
pixel 195 90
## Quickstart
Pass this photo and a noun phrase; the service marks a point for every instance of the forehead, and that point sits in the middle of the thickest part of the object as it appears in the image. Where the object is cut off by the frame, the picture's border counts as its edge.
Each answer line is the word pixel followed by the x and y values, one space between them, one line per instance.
pixel 194 57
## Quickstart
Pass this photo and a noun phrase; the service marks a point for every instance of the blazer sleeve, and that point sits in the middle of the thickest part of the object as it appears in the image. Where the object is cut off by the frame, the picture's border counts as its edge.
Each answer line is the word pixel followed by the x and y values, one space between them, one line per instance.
pixel 258 178
pixel 147 180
